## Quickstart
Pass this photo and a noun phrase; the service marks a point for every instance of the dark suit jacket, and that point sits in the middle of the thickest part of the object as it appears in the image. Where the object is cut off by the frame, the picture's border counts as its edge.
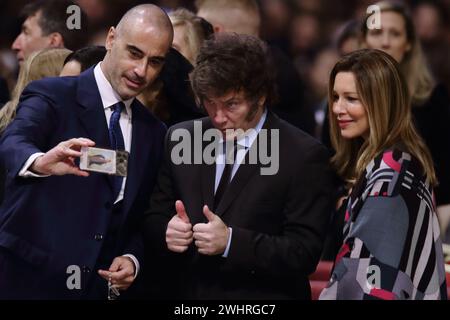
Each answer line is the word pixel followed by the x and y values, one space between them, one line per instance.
pixel 48 224
pixel 278 222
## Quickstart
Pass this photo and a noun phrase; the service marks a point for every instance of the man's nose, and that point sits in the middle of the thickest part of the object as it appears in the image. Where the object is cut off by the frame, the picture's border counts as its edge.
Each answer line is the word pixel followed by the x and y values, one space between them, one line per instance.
pixel 219 117
pixel 17 44
pixel 141 69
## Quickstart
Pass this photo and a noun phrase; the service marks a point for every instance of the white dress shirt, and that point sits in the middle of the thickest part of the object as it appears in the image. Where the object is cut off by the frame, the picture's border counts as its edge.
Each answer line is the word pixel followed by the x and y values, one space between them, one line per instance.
pixel 245 142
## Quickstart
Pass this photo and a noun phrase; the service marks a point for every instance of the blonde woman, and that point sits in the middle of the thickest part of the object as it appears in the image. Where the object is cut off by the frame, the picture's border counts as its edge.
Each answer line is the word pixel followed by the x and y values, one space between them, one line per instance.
pixel 430 102
pixel 392 248
pixel 41 64
pixel 189 33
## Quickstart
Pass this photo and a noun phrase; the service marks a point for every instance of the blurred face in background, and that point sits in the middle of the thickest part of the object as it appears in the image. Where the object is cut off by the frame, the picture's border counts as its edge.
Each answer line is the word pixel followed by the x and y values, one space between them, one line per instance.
pixel 391 38
pixel 428 22
pixel 181 44
pixel 30 38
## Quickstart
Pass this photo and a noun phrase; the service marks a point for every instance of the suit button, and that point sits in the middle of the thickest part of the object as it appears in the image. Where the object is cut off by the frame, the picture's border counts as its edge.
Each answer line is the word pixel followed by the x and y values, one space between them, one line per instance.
pixel 86 269
pixel 98 237
pixel 108 205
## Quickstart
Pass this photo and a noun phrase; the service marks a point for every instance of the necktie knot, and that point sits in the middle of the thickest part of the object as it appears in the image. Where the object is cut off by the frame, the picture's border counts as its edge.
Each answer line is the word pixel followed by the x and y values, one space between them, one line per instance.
pixel 115 133
pixel 118 107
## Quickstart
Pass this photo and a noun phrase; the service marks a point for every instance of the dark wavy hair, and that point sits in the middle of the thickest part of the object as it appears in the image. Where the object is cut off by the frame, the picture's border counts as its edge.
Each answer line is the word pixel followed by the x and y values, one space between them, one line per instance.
pixel 87 56
pixel 230 62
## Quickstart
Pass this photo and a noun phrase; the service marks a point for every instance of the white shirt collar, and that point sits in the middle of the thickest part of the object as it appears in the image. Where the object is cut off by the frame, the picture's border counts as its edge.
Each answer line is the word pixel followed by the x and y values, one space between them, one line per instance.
pixel 249 137
pixel 108 95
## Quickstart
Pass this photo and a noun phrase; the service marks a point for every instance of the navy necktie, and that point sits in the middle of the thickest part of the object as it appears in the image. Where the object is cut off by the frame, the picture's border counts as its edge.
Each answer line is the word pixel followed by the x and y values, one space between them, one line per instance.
pixel 116 139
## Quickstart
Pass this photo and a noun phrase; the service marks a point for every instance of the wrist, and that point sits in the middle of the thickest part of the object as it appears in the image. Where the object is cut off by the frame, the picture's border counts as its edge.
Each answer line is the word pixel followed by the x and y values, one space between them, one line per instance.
pixel 227 243
pixel 36 166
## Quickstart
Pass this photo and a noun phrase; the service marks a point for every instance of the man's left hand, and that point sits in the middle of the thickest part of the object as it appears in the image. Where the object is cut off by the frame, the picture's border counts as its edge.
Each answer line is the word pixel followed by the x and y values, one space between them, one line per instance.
pixel 211 238
pixel 121 273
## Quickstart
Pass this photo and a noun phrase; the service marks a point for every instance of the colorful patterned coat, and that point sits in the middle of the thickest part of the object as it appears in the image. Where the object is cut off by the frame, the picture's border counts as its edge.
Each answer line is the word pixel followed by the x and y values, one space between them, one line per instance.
pixel 392 247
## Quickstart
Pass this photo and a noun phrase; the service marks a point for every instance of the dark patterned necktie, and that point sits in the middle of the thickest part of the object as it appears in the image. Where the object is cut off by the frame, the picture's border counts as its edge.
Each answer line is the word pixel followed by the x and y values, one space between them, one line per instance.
pixel 226 175
pixel 116 139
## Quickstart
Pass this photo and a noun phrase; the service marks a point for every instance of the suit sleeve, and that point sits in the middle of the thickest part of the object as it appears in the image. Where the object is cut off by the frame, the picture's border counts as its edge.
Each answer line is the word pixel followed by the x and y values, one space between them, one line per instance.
pixel 28 133
pixel 306 214
pixel 162 205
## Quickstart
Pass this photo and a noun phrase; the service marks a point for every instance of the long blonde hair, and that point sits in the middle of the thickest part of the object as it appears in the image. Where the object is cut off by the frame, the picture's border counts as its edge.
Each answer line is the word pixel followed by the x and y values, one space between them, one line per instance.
pixel 195 30
pixel 383 92
pixel 414 65
pixel 41 64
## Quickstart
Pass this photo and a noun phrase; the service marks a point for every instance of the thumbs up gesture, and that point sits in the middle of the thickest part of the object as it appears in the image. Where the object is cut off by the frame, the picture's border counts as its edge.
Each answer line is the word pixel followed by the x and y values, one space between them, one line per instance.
pixel 211 238
pixel 179 230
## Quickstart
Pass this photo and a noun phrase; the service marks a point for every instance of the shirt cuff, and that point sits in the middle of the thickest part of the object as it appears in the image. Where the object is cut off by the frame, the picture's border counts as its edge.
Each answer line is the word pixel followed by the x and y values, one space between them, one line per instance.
pixel 227 249
pixel 26 173
pixel 136 263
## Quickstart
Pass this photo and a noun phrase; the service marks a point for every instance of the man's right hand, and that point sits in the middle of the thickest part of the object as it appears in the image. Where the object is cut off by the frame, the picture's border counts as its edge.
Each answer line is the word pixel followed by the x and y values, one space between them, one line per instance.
pixel 179 230
pixel 61 159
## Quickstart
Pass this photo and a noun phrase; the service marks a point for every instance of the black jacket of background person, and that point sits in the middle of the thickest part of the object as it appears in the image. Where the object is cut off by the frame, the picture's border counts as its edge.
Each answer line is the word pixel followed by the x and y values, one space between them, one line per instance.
pixel 4 92
pixel 177 95
pixel 292 105
pixel 433 122
pixel 278 223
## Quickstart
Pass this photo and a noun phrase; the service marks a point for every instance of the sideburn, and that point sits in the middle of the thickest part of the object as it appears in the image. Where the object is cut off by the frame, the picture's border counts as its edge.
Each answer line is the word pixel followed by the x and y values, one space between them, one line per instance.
pixel 253 110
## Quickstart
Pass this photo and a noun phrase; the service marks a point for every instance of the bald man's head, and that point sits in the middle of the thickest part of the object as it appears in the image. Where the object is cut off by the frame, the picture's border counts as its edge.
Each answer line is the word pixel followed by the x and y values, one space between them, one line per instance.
pixel 145 14
pixel 136 49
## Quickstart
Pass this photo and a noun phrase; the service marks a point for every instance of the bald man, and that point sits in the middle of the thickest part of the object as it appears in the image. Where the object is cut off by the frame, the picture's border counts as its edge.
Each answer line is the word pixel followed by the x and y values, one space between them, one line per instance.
pixel 67 233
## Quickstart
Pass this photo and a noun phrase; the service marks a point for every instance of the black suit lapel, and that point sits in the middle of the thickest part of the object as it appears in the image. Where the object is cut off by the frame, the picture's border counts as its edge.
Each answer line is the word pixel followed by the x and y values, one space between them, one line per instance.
pixel 141 146
pixel 92 113
pixel 245 171
pixel 208 173
pixel 237 184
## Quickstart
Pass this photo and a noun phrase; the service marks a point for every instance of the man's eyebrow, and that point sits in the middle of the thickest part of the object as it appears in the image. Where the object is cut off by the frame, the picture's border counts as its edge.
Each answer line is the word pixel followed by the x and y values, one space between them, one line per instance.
pixel 134 48
pixel 159 58
pixel 233 98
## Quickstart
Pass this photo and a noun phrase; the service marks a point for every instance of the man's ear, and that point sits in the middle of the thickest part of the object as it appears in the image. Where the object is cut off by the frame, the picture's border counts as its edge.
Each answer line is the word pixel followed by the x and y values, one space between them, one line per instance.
pixel 110 38
pixel 56 40
pixel 262 101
